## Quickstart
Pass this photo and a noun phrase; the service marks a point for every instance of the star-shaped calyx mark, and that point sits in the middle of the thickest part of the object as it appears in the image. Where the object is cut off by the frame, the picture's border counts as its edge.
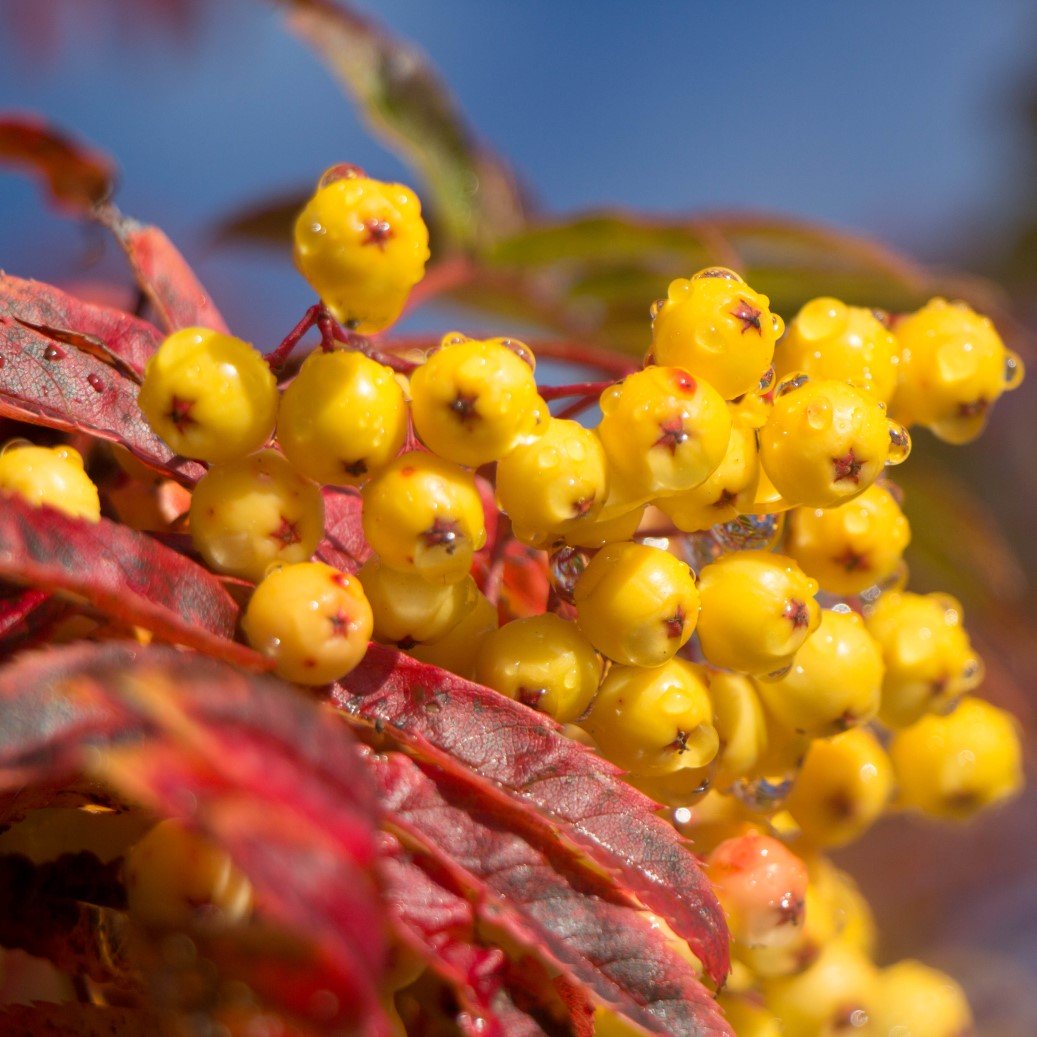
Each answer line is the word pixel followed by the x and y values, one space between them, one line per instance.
pixel 675 624
pixel 847 468
pixel 340 624
pixel 378 232
pixel 443 533
pixel 680 744
pixel 749 315
pixel 790 909
pixel 973 408
pixel 852 561
pixel 287 533
pixel 582 505
pixel 726 499
pixel 179 413
pixel 355 468
pixel 463 408
pixel 530 696
pixel 796 613
pixel 672 434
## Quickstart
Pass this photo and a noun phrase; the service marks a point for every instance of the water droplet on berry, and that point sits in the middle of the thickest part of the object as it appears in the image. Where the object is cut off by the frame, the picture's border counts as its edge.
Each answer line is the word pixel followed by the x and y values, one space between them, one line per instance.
pixel 565 567
pixel 749 532
pixel 14 444
pixel 764 794
pixel 654 309
pixel 778 325
pixel 972 673
pixel 766 381
pixel 53 352
pixel 899 444
pixel 1014 369
pixel 341 171
pixel 96 382
pixel 717 271
pixel 790 383
pixel 610 399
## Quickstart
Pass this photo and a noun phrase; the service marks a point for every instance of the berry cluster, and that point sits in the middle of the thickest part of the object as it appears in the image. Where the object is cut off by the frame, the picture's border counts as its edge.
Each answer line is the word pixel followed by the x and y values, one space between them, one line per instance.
pixel 726 621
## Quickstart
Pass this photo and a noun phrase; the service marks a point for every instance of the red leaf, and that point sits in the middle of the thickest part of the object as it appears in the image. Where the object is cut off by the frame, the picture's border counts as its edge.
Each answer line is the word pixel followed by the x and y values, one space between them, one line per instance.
pixel 47 383
pixel 163 274
pixel 125 340
pixel 124 574
pixel 539 896
pixel 14 610
pixel 343 545
pixel 511 754
pixel 76 1020
pixel 77 176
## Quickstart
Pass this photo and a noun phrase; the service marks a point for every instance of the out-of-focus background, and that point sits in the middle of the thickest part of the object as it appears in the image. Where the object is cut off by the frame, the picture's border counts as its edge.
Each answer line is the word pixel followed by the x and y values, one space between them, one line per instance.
pixel 910 123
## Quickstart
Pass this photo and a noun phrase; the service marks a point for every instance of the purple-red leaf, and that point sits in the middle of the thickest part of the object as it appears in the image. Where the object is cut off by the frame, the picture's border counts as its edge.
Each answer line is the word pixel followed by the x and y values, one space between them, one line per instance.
pixel 572 915
pixel 52 383
pixel 509 754
pixel 343 545
pixel 125 340
pixel 124 574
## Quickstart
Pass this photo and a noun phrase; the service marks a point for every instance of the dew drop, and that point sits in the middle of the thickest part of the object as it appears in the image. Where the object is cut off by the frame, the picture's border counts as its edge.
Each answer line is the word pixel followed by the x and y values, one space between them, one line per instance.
pixel 766 381
pixel 96 382
pixel 763 794
pixel 1013 369
pixel 791 384
pixel 717 271
pixel 654 309
pixel 342 171
pixel 565 567
pixel 899 444
pixel 53 352
pixel 749 532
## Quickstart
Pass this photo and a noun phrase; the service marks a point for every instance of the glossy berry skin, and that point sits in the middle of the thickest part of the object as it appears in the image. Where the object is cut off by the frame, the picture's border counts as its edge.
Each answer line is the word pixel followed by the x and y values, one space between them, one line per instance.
pixel 312 620
pixel 654 721
pixel 747 1018
pixel 409 610
pixel 423 515
pixel 176 878
pixel 852 547
pixel 49 476
pixel 727 493
pixel 663 431
pixel 954 766
pixel 342 419
pixel 825 442
pixel 473 401
pixel 553 484
pixel 929 659
pixel 716 327
pixel 617 525
pixel 757 610
pixel 542 661
pixel 458 648
pixel 254 512
pixel 740 721
pixel 915 1000
pixel 637 604
pixel 835 681
pixel 843 788
pixel 362 245
pixel 829 340
pixel 209 395
pixel 953 368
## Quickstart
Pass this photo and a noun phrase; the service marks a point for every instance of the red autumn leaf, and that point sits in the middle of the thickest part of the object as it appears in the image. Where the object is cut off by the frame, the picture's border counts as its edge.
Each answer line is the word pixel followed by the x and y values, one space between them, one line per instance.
pixel 511 755
pixel 124 574
pixel 77 176
pixel 16 608
pixel 343 545
pixel 260 769
pixel 50 383
pixel 125 340
pixel 75 1020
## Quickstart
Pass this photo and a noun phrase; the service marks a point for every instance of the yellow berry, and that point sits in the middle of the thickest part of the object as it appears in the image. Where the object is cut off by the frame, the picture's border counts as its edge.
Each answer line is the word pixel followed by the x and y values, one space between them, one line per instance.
pixel 835 681
pixel 342 419
pixel 741 724
pixel 605 529
pixel 757 610
pixel 253 512
pixel 637 604
pixel 473 401
pixel 716 327
pixel 953 367
pixel 828 339
pixel 654 721
pixel 458 649
pixel 209 395
pixel 663 431
pixel 915 1000
pixel 825 442
pixel 362 245
pixel 51 477
pixel 423 514
pixel 544 662
pixel 843 788
pixel 851 547
pixel 175 878
pixel 929 659
pixel 311 620
pixel 954 766
pixel 747 1018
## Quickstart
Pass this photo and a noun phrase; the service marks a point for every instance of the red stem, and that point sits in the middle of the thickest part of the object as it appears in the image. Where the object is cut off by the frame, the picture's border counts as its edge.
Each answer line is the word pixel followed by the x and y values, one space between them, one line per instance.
pixel 557 392
pixel 577 407
pixel 277 357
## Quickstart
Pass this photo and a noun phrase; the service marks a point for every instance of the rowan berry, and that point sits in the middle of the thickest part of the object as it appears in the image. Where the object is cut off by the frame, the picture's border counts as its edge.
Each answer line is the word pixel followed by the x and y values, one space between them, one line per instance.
pixel 253 512
pixel 636 604
pixel 828 339
pixel 757 610
pixel 741 724
pixel 342 419
pixel 663 432
pixel 716 327
pixel 953 368
pixel 609 527
pixel 917 1001
pixel 473 401
pixel 423 514
pixel 51 477
pixel 853 546
pixel 835 681
pixel 748 1018
pixel 209 395
pixel 929 659
pixel 458 648
pixel 544 662
pixel 312 620
pixel 851 919
pixel 953 766
pixel 654 721
pixel 362 245
pixel 825 442
pixel 554 483
pixel 843 787
pixel 176 877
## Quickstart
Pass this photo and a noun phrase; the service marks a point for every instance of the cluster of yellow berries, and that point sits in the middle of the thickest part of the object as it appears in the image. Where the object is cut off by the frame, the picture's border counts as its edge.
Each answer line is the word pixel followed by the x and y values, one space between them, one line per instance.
pixel 805 720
